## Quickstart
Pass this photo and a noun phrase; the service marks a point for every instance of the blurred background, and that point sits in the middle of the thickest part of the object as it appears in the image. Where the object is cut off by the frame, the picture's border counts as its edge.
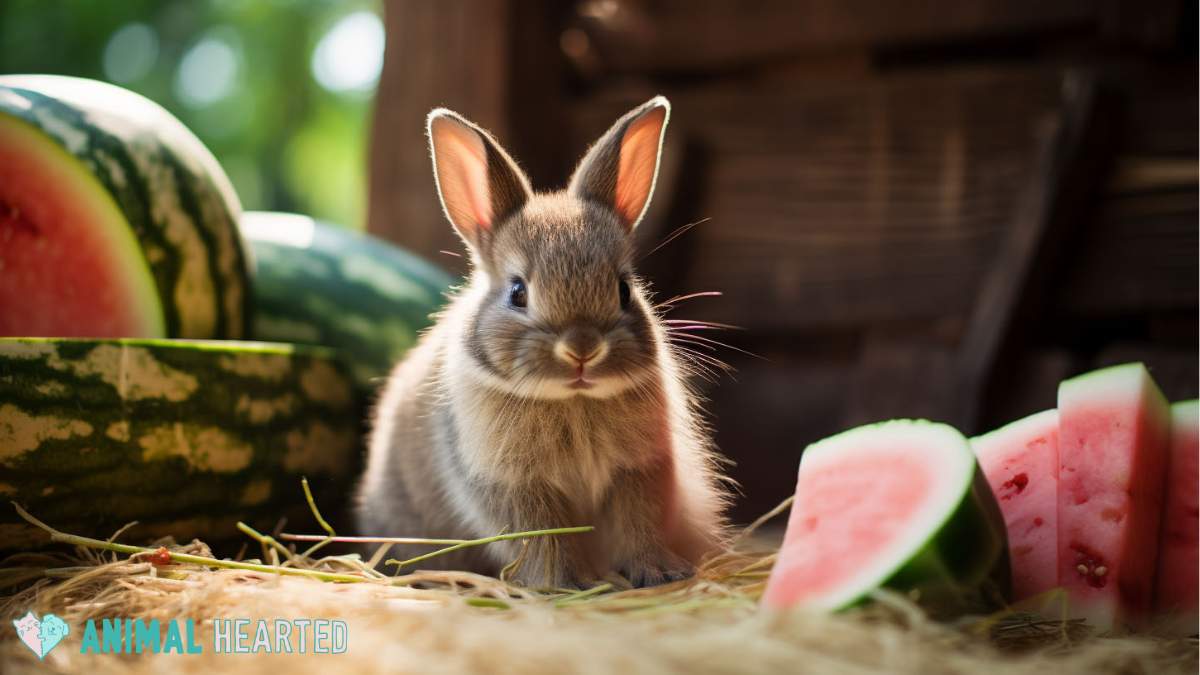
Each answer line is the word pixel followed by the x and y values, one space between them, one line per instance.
pixel 279 90
pixel 912 208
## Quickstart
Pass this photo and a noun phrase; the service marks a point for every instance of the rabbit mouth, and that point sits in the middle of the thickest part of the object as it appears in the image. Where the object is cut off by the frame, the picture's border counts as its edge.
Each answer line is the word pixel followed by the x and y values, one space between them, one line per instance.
pixel 581 383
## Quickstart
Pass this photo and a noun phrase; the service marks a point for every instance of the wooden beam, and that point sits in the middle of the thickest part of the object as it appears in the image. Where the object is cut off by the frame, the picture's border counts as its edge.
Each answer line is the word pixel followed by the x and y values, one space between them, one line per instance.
pixel 495 61
pixel 1072 160
pixel 685 35
pixel 452 53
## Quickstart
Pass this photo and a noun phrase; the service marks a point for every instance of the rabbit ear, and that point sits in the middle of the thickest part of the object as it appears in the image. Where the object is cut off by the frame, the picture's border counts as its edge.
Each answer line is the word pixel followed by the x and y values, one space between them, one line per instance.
pixel 478 183
pixel 621 168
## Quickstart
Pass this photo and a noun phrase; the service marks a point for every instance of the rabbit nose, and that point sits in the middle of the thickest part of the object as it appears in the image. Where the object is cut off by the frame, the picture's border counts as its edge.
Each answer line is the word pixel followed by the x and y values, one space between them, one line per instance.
pixel 580 346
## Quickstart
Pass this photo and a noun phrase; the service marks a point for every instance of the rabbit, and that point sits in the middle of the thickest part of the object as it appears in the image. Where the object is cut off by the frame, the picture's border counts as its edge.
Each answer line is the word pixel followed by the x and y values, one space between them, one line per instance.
pixel 546 394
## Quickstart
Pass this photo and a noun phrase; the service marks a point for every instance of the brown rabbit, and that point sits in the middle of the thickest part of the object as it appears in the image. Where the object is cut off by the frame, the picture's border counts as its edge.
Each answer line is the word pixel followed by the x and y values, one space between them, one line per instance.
pixel 547 394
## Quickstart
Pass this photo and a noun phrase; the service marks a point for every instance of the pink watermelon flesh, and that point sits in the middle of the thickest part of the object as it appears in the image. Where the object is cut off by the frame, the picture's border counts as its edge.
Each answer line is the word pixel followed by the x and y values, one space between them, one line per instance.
pixel 1113 427
pixel 1179 556
pixel 832 502
pixel 863 508
pixel 70 264
pixel 1020 461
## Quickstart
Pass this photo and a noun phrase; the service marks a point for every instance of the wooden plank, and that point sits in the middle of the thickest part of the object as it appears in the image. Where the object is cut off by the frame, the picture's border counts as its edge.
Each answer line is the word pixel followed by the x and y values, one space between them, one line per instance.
pixel 1027 384
pixel 1152 24
pixel 1175 369
pixel 1139 256
pixel 900 376
pixel 864 201
pixel 674 35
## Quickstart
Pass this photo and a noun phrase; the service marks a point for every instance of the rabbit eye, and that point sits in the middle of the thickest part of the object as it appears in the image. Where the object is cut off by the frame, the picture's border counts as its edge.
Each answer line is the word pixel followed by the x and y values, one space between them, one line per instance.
pixel 625 294
pixel 518 296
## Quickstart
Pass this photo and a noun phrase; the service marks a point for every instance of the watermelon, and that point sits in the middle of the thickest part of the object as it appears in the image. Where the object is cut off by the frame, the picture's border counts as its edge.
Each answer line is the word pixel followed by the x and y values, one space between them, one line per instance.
pixel 115 221
pixel 186 437
pixel 324 285
pixel 1020 461
pixel 1176 589
pixel 900 504
pixel 1112 448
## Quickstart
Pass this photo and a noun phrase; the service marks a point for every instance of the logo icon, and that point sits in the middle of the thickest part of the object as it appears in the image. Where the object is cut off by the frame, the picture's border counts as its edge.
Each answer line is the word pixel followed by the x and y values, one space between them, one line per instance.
pixel 41 635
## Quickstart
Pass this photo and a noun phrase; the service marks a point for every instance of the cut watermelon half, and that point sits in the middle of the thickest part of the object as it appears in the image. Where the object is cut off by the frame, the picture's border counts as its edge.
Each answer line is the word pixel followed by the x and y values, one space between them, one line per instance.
pixel 1179 552
pixel 900 504
pixel 71 264
pixel 1113 428
pixel 115 220
pixel 1020 461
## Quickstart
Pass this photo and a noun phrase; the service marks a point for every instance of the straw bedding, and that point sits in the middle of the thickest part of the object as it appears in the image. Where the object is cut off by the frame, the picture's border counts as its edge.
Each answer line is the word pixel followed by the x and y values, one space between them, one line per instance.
pixel 453 622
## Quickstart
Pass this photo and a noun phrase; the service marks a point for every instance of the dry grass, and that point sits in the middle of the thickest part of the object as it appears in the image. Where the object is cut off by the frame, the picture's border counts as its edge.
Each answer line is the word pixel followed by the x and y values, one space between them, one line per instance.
pixel 455 622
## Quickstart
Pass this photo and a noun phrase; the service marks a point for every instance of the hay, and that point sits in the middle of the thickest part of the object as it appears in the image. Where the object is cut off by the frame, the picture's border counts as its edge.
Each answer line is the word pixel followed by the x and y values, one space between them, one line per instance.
pixel 455 622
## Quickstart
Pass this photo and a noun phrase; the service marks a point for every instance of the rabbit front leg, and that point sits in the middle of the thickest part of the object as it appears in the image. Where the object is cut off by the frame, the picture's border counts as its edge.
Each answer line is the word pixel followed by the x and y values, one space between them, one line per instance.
pixel 555 561
pixel 636 522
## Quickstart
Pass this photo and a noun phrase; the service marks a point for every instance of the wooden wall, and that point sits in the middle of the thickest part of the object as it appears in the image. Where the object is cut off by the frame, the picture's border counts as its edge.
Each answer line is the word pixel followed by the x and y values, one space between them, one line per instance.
pixel 912 208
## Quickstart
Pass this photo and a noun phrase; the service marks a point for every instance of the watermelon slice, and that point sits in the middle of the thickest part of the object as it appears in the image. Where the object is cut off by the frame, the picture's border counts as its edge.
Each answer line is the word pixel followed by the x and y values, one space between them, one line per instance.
pixel 115 221
pixel 1179 556
pixel 1113 427
pixel 1020 461
pixel 900 504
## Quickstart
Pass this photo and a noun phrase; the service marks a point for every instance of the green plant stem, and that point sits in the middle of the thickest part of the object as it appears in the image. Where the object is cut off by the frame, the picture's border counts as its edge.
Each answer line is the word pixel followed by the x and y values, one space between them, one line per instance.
pixel 87 542
pixel 491 603
pixel 488 540
pixel 312 505
pixel 583 595
pixel 286 536
pixel 264 539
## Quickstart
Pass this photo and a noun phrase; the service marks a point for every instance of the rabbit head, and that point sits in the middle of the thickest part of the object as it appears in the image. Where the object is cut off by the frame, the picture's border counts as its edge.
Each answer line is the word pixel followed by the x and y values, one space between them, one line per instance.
pixel 560 311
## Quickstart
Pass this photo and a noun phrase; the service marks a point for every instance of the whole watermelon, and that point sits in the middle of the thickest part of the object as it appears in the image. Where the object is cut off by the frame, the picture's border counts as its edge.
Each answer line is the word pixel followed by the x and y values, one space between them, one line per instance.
pixel 324 285
pixel 184 436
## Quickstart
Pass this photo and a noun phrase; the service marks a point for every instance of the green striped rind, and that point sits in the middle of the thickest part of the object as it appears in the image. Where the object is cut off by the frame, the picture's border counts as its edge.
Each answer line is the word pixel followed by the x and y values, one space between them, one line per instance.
pixel 318 284
pixel 175 196
pixel 963 565
pixel 179 435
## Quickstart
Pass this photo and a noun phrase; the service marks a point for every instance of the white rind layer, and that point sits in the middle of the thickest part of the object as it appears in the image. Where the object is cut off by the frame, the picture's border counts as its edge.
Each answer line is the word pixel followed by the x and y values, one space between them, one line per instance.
pixel 985 445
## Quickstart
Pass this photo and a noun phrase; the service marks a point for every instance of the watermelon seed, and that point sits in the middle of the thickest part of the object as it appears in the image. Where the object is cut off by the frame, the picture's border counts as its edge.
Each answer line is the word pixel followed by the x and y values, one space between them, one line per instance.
pixel 10 217
pixel 1090 566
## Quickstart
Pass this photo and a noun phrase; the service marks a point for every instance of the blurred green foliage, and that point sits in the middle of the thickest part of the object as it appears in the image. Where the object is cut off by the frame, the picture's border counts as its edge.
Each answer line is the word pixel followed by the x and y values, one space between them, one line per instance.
pixel 286 141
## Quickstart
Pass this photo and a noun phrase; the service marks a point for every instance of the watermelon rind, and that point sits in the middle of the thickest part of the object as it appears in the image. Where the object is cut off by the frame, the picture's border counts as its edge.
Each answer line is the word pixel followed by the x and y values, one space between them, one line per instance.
pixel 1175 583
pixel 982 442
pixel 320 284
pixel 185 437
pixel 1111 376
pixel 175 197
pixel 954 561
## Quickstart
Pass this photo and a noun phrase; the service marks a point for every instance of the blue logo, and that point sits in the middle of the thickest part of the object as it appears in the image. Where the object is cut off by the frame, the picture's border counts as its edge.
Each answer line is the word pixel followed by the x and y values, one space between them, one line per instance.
pixel 41 635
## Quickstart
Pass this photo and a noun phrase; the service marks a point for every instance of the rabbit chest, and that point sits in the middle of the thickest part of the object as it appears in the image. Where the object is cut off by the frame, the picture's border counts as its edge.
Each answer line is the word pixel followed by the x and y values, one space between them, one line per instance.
pixel 575 446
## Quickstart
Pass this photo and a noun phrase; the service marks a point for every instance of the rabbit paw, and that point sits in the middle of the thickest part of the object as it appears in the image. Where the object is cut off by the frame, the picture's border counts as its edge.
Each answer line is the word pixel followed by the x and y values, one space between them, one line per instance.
pixel 654 570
